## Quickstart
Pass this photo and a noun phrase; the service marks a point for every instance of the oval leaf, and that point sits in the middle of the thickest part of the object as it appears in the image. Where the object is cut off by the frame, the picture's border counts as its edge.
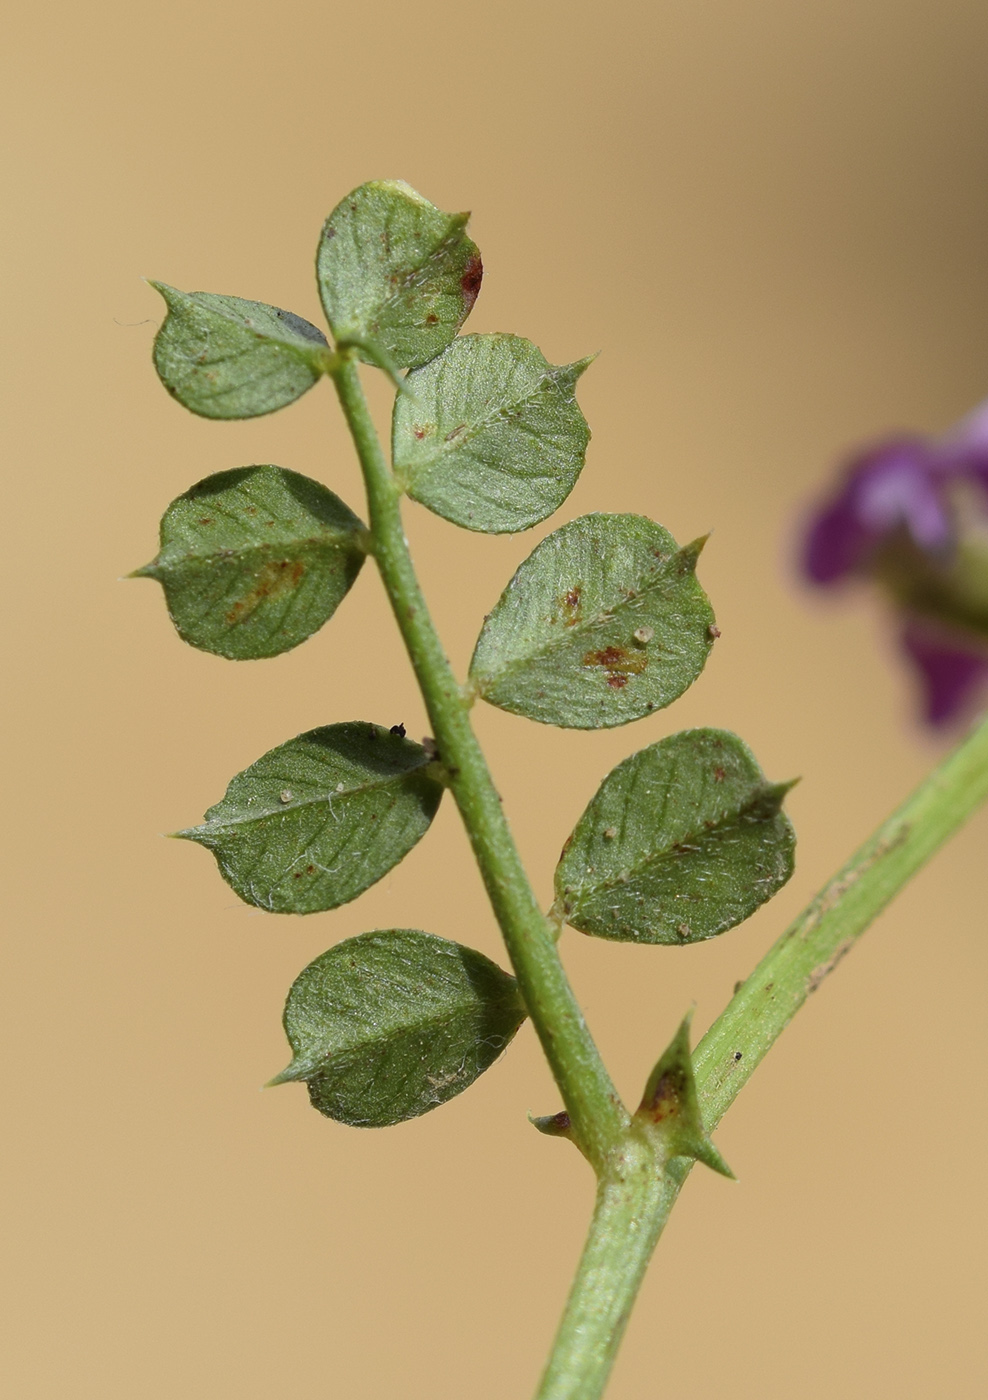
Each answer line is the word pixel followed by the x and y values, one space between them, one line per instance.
pixel 388 1025
pixel 255 560
pixel 396 271
pixel 318 820
pixel 489 434
pixel 603 623
pixel 682 841
pixel 223 357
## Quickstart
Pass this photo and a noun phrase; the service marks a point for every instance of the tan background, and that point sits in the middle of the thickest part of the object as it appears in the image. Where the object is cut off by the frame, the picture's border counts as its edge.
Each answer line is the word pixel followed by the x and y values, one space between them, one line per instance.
pixel 772 218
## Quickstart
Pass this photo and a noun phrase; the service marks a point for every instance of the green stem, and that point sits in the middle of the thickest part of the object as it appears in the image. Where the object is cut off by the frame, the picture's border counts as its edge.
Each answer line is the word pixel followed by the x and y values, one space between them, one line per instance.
pixel 631 1215
pixel 596 1113
pixel 633 1204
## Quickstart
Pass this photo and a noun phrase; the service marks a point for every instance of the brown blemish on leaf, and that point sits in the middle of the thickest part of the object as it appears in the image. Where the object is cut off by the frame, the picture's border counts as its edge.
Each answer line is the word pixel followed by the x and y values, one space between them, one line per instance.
pixel 570 604
pixel 719 775
pixel 432 319
pixel 713 631
pixel 619 664
pixel 277 576
pixel 206 520
pixel 473 275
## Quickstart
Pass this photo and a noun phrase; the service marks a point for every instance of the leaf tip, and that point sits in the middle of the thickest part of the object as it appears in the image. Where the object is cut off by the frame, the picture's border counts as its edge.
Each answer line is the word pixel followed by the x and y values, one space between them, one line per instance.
pixel 289 1075
pixel 690 553
pixel 188 833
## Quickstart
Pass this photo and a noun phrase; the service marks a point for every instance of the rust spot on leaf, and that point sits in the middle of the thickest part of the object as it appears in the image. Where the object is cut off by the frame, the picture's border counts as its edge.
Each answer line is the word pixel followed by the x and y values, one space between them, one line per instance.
pixel 619 664
pixel 432 319
pixel 719 775
pixel 570 604
pixel 206 520
pixel 473 275
pixel 277 576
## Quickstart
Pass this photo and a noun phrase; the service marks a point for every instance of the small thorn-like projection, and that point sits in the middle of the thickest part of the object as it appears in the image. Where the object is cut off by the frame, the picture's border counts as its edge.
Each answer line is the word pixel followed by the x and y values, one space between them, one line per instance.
pixel 555 1125
pixel 670 1107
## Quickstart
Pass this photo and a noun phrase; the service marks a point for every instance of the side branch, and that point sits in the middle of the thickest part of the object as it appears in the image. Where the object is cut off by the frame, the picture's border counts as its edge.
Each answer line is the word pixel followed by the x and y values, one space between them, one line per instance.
pixel 828 928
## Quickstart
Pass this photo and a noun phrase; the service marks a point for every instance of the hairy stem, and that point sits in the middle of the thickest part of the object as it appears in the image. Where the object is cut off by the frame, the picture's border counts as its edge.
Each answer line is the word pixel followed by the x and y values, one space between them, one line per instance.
pixel 597 1115
pixel 632 1212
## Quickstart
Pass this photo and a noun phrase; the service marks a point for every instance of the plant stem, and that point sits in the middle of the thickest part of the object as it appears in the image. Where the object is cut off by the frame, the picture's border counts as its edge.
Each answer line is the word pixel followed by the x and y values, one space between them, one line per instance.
pixel 631 1216
pixel 633 1204
pixel 598 1118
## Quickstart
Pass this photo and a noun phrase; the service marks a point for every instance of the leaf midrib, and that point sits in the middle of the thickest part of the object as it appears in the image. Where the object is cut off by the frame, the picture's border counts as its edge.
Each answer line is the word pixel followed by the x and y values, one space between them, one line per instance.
pixel 283 809
pixel 427 1023
pixel 668 853
pixel 236 553
pixel 436 457
pixel 558 640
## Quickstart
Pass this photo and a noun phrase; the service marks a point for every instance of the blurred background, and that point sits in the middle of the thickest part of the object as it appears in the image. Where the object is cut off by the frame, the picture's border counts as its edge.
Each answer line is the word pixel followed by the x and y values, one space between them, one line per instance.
pixel 772 220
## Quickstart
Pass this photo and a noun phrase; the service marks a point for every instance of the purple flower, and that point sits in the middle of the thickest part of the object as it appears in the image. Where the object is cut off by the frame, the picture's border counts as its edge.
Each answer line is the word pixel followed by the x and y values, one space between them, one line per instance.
pixel 912 515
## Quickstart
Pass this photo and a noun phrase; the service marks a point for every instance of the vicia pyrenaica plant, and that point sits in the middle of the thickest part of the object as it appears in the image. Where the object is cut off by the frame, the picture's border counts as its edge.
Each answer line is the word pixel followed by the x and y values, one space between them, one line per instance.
pixel 604 623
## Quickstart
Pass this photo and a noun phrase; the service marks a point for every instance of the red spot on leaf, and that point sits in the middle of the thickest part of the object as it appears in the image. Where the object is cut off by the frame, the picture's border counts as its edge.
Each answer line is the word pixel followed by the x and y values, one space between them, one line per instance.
pixel 473 275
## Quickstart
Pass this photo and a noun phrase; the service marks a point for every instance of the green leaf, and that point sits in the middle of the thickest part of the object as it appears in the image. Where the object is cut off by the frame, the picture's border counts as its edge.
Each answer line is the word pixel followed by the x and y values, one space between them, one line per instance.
pixel 255 560
pixel 681 841
pixel 489 434
pixel 388 1025
pixel 603 623
pixel 318 820
pixel 670 1109
pixel 223 357
pixel 396 271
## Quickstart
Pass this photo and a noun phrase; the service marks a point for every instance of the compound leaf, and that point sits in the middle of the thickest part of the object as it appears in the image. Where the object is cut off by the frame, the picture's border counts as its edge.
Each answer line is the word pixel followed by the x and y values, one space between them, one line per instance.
pixel 316 821
pixel 223 357
pixel 255 560
pixel 489 434
pixel 397 272
pixel 603 623
pixel 388 1025
pixel 681 841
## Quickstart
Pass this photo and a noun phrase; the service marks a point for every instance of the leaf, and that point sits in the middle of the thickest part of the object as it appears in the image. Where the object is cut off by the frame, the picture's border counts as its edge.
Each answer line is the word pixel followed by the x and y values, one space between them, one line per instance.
pixel 681 841
pixel 489 434
pixel 603 623
pixel 255 560
pixel 670 1109
pixel 388 1025
pixel 316 821
pixel 223 357
pixel 395 270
